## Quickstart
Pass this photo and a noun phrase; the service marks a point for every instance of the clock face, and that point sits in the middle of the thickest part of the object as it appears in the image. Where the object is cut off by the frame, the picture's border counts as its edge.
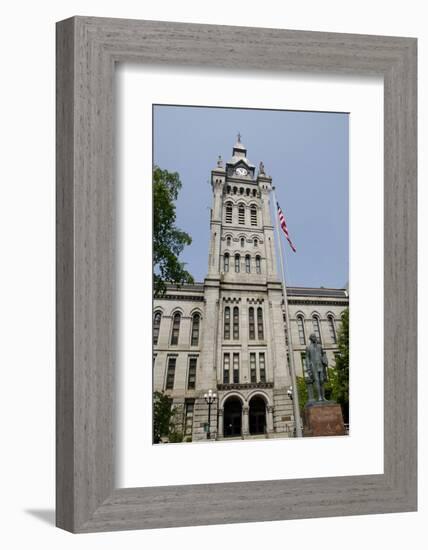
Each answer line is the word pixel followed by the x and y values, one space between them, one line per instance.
pixel 241 171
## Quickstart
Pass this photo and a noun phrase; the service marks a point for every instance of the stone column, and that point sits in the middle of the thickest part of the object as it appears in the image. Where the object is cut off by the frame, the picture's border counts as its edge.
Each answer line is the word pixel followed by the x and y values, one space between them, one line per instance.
pixel 245 423
pixel 220 431
pixel 269 419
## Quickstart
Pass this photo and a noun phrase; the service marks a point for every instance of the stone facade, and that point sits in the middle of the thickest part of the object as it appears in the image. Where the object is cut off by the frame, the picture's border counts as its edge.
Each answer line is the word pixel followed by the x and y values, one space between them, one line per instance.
pixel 228 333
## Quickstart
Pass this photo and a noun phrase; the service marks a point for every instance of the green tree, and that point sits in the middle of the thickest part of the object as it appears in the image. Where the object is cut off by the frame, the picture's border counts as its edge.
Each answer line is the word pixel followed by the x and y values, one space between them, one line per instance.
pixel 166 419
pixel 162 415
pixel 168 240
pixel 302 392
pixel 337 387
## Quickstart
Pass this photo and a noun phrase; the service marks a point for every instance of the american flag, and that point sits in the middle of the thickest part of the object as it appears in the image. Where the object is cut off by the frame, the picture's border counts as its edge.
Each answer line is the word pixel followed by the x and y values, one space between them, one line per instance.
pixel 284 227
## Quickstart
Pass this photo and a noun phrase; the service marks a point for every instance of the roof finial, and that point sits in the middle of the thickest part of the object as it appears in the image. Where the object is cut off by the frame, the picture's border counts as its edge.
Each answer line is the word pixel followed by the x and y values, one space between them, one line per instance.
pixel 220 162
pixel 239 137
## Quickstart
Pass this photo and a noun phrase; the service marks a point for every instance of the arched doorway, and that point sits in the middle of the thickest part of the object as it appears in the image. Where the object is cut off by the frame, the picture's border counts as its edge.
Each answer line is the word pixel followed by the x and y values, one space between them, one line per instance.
pixel 257 416
pixel 232 417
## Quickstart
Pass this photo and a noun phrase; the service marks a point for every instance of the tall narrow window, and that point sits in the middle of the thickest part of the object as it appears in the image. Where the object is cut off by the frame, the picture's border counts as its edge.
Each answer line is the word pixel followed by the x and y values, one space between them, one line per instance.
pixel 191 377
pixel 332 329
pixel 316 327
pixel 156 326
pixel 228 241
pixel 170 374
pixel 260 331
pixel 236 323
pixel 247 264
pixel 229 212
pixel 253 215
pixel 236 368
pixel 262 367
pixel 303 359
pixel 253 371
pixel 241 214
pixel 226 262
pixel 258 264
pixel 251 324
pixel 175 329
pixel 227 323
pixel 188 424
pixel 242 242
pixel 256 243
pixel 301 330
pixel 237 263
pixel 226 368
pixel 196 321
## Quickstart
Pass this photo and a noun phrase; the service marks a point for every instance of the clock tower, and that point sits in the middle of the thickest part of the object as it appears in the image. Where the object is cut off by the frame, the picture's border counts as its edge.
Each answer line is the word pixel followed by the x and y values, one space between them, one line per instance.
pixel 244 352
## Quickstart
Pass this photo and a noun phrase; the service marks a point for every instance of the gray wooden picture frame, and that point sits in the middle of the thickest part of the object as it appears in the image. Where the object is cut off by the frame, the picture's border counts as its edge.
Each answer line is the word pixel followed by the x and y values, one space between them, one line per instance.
pixel 87 50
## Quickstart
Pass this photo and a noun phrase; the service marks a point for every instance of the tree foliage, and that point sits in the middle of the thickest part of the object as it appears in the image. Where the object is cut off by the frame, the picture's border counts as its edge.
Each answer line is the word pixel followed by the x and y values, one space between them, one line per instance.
pixel 302 392
pixel 168 240
pixel 166 419
pixel 337 387
pixel 162 414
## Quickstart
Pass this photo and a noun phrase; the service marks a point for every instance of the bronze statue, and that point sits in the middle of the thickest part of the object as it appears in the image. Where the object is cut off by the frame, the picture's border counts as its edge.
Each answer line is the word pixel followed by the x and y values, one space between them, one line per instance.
pixel 316 369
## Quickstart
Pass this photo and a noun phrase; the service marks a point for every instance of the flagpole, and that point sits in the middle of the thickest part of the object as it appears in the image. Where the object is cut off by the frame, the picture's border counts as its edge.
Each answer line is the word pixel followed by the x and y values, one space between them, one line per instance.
pixel 287 321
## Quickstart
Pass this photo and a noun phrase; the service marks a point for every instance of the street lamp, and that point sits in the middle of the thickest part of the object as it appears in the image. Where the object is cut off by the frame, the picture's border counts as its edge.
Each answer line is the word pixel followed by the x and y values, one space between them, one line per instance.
pixel 210 398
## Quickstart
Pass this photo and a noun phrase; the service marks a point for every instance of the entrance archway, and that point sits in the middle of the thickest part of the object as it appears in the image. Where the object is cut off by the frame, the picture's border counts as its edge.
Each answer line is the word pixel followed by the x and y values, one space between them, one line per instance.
pixel 232 417
pixel 257 415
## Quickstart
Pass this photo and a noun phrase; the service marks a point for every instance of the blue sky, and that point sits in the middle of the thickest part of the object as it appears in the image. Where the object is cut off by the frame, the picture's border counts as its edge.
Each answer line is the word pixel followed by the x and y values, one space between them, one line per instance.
pixel 306 153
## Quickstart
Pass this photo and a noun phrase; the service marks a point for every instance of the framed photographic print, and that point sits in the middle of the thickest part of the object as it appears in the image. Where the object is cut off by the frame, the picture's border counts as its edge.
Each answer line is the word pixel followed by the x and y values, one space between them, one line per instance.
pixel 236 288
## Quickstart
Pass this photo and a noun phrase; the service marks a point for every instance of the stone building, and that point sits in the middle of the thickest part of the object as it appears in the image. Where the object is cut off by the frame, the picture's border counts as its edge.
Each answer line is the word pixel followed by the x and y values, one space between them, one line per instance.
pixel 228 333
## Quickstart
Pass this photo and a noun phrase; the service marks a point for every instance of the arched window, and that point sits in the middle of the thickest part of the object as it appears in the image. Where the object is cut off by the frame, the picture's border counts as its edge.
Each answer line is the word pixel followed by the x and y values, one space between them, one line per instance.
pixel 260 331
pixel 258 264
pixel 226 262
pixel 234 190
pixel 227 323
pixel 228 189
pixel 248 192
pixel 241 190
pixel 242 242
pixel 247 264
pixel 256 243
pixel 156 326
pixel 316 327
pixel 237 263
pixel 229 212
pixel 253 215
pixel 236 323
pixel 241 214
pixel 251 324
pixel 254 193
pixel 228 241
pixel 332 328
pixel 301 330
pixel 196 320
pixel 175 329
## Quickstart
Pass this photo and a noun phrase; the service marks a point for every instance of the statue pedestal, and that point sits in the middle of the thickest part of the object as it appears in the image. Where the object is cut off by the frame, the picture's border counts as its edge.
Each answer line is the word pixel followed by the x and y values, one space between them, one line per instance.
pixel 323 419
